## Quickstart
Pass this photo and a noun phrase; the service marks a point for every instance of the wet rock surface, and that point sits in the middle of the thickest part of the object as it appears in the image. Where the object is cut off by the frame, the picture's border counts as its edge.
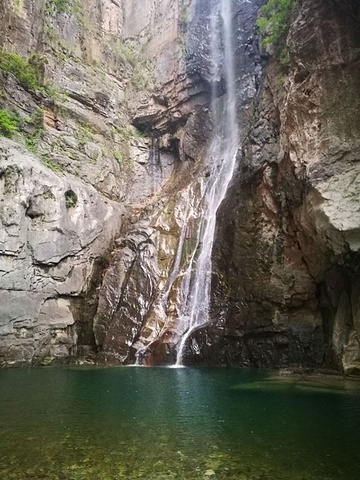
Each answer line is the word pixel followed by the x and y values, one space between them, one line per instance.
pixel 176 218
pixel 90 170
pixel 287 260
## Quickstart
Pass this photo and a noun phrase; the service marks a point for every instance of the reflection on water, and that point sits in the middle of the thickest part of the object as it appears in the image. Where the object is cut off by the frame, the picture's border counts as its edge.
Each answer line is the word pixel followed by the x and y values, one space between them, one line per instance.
pixel 161 423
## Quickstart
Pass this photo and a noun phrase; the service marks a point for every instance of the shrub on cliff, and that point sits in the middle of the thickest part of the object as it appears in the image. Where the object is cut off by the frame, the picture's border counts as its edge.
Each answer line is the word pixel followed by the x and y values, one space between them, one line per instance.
pixel 26 71
pixel 8 124
pixel 63 6
pixel 274 22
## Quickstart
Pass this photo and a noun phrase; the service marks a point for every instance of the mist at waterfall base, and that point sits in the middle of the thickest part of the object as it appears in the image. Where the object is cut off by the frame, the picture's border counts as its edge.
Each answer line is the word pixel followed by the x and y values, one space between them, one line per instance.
pixel 161 423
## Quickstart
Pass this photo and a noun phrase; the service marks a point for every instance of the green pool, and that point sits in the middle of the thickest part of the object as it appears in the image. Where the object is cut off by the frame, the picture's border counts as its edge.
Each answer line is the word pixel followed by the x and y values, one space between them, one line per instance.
pixel 163 423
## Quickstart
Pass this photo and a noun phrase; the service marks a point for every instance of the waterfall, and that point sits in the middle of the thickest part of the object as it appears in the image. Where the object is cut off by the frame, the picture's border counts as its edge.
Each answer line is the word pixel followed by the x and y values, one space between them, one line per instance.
pixel 222 159
pixel 155 167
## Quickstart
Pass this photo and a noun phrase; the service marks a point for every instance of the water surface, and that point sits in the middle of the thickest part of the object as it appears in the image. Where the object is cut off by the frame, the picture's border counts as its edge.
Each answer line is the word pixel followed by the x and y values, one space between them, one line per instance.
pixel 187 423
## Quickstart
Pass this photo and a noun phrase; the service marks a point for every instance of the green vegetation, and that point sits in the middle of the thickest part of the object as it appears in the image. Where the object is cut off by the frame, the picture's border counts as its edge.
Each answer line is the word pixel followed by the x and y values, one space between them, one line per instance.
pixel 18 6
pixel 126 54
pixel 62 6
pixel 31 144
pixel 70 199
pixel 55 167
pixel 122 159
pixel 61 50
pixel 139 78
pixel 185 17
pixel 32 128
pixel 128 132
pixel 8 124
pixel 274 24
pixel 280 81
pixel 36 121
pixel 28 72
pixel 85 132
pixel 119 157
pixel 68 6
pixel 185 7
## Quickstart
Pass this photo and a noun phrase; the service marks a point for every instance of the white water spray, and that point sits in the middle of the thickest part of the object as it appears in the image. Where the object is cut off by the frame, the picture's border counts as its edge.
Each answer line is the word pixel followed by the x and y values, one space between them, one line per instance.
pixel 222 153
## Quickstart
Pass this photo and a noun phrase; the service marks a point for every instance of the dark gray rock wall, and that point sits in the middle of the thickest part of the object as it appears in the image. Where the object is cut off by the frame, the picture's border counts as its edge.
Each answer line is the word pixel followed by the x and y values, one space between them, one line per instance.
pixel 287 244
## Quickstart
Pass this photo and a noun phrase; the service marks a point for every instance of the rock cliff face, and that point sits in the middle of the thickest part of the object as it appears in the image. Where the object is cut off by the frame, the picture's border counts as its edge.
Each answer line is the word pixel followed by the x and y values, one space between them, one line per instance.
pixel 99 223
pixel 55 231
pixel 140 298
pixel 287 249
pixel 89 171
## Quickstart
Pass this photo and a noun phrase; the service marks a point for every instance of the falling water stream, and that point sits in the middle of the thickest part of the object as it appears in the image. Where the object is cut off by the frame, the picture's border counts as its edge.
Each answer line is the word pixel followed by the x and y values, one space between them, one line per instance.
pixel 222 155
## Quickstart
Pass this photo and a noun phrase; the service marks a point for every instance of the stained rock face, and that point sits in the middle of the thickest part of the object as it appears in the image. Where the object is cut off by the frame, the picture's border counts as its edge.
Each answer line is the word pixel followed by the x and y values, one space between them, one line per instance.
pixel 140 298
pixel 180 52
pixel 128 289
pixel 289 251
pixel 93 177
pixel 54 229
pixel 174 219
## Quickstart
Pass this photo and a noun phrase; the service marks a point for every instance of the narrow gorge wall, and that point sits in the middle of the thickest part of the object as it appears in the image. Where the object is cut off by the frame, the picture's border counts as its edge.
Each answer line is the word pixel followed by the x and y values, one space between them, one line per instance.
pixel 76 173
pixel 101 186
pixel 287 287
